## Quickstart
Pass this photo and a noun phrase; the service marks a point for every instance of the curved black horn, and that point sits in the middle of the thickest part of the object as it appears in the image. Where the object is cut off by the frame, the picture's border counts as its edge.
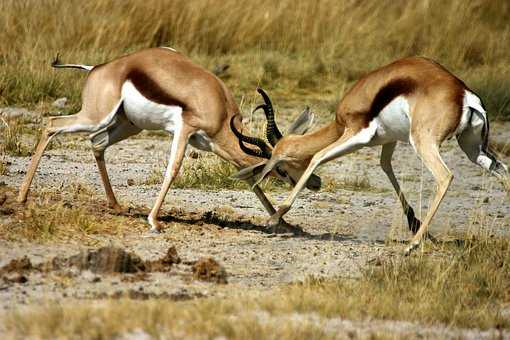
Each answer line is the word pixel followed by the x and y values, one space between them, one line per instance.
pixel 272 133
pixel 264 152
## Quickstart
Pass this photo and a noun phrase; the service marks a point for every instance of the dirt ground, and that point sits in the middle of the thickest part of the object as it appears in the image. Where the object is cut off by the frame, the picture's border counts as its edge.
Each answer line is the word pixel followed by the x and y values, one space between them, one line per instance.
pixel 343 230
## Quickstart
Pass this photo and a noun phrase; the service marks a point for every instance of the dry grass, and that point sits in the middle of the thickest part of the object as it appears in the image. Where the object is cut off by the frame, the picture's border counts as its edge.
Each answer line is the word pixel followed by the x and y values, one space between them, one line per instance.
pixel 465 284
pixel 12 135
pixel 69 213
pixel 3 163
pixel 299 49
pixel 159 319
pixel 352 183
pixel 303 51
pixel 502 148
pixel 207 172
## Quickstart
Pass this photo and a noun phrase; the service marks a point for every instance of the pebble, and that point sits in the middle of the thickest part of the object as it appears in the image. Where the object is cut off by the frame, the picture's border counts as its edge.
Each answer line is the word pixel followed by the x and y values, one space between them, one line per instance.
pixel 15 112
pixel 60 103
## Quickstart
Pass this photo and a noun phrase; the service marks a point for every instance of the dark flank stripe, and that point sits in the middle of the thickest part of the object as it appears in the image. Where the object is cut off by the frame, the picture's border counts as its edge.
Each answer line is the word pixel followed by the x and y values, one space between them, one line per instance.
pixel 389 92
pixel 151 89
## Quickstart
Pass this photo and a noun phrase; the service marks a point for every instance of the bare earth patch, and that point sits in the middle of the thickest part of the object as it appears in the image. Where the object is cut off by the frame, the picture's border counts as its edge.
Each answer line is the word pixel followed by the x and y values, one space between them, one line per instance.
pixel 355 224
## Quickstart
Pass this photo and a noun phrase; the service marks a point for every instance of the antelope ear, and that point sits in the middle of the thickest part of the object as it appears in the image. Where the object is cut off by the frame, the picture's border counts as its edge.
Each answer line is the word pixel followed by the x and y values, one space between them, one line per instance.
pixel 249 172
pixel 302 123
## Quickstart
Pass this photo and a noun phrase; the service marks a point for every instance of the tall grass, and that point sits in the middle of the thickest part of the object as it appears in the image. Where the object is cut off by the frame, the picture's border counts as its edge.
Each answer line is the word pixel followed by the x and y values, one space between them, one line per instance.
pixel 302 49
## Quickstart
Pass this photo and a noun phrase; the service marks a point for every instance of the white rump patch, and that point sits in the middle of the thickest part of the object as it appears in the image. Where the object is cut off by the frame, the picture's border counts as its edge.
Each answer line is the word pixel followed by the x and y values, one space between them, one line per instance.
pixel 393 122
pixel 471 101
pixel 147 114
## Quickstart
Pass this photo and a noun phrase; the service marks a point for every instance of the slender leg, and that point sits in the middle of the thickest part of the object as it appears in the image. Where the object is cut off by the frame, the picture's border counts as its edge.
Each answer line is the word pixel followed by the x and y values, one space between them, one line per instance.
pixel 350 141
pixel 112 201
pixel 34 163
pixel 263 198
pixel 429 153
pixel 101 140
pixel 270 210
pixel 179 143
pixel 56 125
pixel 260 194
pixel 474 143
pixel 79 122
pixel 386 154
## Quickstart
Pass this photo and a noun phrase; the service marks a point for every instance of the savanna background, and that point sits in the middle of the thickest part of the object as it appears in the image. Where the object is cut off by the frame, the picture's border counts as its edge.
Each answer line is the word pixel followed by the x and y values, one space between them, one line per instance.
pixel 302 53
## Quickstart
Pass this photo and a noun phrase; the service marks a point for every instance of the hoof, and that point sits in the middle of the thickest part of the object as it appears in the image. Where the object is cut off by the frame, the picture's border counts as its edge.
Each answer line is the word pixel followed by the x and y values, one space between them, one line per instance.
pixel 428 236
pixel 412 221
pixel 273 221
pixel 155 227
pixel 21 200
pixel 154 231
pixel 118 209
pixel 286 228
pixel 411 247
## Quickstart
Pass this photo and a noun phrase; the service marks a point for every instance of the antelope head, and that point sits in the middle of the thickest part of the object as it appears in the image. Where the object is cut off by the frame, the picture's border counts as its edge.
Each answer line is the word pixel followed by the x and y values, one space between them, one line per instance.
pixel 282 160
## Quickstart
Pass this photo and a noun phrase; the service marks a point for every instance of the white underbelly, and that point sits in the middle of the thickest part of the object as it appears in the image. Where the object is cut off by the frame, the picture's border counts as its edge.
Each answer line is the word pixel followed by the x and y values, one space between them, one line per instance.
pixel 393 123
pixel 147 114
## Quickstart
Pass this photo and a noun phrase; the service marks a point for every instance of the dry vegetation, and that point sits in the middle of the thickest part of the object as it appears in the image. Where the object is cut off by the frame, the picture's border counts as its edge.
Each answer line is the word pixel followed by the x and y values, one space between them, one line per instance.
pixel 3 163
pixel 300 50
pixel 12 133
pixel 503 148
pixel 207 172
pixel 351 182
pixel 466 285
pixel 65 214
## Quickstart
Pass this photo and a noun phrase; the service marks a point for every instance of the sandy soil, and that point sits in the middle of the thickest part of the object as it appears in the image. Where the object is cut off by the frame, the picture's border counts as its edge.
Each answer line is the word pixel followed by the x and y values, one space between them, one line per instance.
pixel 343 229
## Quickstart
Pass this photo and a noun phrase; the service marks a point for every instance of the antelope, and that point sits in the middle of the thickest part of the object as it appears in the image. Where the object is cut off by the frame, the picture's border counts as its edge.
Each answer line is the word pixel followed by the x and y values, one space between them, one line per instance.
pixel 412 100
pixel 159 88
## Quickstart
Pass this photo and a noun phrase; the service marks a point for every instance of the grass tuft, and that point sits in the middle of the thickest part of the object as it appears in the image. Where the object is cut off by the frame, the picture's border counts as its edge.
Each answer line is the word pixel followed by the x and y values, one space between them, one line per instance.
pixel 52 215
pixel 3 163
pixel 207 172
pixel 352 183
pixel 11 139
pixel 502 148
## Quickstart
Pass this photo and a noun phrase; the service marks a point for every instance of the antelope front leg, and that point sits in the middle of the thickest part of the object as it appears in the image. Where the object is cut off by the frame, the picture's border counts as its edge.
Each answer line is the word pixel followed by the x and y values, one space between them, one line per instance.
pixel 351 140
pixel 287 204
pixel 271 211
pixel 179 143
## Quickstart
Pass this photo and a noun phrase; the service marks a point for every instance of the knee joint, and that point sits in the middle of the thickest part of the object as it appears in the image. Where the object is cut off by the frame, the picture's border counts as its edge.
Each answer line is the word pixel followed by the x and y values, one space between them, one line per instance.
pixel 99 143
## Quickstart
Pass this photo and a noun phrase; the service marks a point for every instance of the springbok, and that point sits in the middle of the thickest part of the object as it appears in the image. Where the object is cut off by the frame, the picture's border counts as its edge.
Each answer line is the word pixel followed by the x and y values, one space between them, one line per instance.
pixel 159 88
pixel 413 100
